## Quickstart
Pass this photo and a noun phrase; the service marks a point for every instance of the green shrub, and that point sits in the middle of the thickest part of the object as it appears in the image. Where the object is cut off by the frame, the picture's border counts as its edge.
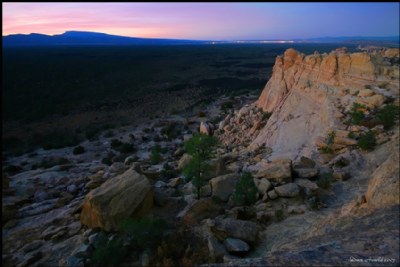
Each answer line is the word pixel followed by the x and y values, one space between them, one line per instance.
pixel 126 148
pixel 201 114
pixel 356 115
pixel 367 86
pixel 121 146
pixel 111 253
pixel 388 115
pixel 144 233
pixel 279 215
pixel 92 133
pixel 351 135
pixel 78 150
pixel 266 115
pixel 115 143
pixel 107 161
pixel 325 180
pixel 155 156
pixel 367 141
pixel 245 190
pixel 12 169
pixel 109 134
pixel 226 106
pixel 329 140
pixel 168 172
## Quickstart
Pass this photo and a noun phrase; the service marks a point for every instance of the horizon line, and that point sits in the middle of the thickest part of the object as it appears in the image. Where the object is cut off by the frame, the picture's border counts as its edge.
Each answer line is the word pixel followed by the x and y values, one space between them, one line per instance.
pixel 210 40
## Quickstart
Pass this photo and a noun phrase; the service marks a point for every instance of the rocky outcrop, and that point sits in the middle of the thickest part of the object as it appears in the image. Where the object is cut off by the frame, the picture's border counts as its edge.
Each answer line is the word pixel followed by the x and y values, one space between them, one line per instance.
pixel 127 195
pixel 383 188
pixel 313 91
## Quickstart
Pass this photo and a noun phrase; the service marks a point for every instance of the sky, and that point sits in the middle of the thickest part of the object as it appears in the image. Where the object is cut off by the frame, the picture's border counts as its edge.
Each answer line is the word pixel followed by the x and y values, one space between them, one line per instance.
pixel 205 21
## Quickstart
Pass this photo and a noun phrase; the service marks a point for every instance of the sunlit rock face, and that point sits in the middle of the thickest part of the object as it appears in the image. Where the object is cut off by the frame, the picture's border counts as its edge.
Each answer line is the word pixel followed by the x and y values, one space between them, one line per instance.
pixel 309 94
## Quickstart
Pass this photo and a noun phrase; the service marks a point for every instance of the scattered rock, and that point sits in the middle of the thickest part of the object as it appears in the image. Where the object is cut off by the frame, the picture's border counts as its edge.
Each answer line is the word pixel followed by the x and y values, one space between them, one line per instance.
pixel 272 194
pixel 263 185
pixel 72 189
pixel 279 171
pixel 174 182
pixel 216 249
pixel 185 159
pixel 244 230
pixel 304 163
pixel 287 190
pixel 236 245
pixel 310 188
pixel 223 186
pixel 205 128
pixel 199 210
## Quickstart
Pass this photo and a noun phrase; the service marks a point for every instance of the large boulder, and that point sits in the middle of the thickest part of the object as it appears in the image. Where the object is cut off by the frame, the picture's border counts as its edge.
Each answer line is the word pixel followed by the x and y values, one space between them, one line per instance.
pixel 244 230
pixel 199 210
pixel 279 171
pixel 127 195
pixel 185 159
pixel 263 185
pixel 288 190
pixel 223 186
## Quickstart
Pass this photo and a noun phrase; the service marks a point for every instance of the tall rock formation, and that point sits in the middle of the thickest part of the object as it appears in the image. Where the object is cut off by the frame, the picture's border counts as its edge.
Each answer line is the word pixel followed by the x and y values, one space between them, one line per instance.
pixel 309 94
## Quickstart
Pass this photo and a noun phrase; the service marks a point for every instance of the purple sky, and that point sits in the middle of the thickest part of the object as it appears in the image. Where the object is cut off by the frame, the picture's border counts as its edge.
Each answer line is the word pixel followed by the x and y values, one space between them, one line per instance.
pixel 206 21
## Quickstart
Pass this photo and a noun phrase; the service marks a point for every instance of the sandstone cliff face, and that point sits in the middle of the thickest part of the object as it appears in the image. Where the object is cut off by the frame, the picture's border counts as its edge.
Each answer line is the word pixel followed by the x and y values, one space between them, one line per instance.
pixel 308 95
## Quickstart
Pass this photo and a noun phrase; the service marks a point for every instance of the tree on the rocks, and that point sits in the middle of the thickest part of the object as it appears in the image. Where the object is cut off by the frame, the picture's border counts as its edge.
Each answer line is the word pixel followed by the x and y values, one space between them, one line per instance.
pixel 199 147
pixel 245 190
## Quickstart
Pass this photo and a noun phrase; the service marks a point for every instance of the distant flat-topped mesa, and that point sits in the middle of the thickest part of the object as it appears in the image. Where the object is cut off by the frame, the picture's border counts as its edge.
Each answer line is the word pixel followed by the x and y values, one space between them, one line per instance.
pixel 310 95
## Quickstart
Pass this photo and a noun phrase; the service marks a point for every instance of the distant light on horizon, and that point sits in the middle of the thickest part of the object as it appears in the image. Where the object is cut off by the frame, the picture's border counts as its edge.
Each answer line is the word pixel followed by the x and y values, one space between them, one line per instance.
pixel 205 21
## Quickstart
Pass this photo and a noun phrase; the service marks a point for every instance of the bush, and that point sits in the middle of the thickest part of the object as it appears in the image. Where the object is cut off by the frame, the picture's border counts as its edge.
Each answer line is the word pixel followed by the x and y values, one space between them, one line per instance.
pixel 367 141
pixel 329 140
pixel 351 135
pixel 107 161
pixel 388 115
pixel 144 233
pixel 356 115
pixel 168 172
pixel 122 147
pixel 111 253
pixel 226 106
pixel 245 190
pixel 155 156
pixel 12 169
pixel 109 134
pixel 266 115
pixel 201 114
pixel 279 215
pixel 132 235
pixel 325 180
pixel 78 150
pixel 367 86
pixel 115 143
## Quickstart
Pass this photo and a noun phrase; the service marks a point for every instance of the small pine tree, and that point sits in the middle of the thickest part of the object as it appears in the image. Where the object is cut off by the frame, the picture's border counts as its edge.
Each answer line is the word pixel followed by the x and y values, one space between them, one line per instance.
pixel 199 147
pixel 245 190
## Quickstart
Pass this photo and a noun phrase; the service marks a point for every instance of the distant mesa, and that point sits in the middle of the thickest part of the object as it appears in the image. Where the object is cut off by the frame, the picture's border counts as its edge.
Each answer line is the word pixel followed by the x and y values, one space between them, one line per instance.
pixel 85 38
